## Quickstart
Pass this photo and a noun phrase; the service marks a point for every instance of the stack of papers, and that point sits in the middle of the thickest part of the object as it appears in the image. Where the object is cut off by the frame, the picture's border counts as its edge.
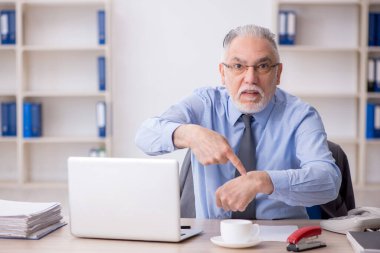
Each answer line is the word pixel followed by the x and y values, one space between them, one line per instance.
pixel 29 220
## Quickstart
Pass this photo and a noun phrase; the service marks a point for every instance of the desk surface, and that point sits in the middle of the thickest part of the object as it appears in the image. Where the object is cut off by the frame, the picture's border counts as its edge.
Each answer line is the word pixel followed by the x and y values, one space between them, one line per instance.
pixel 62 241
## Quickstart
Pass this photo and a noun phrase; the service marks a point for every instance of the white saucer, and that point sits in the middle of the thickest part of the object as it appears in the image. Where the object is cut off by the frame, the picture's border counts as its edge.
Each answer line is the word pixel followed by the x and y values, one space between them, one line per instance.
pixel 218 240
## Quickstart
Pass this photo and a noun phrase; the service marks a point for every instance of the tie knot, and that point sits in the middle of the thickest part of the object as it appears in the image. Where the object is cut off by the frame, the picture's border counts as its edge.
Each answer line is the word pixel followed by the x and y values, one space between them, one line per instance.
pixel 247 120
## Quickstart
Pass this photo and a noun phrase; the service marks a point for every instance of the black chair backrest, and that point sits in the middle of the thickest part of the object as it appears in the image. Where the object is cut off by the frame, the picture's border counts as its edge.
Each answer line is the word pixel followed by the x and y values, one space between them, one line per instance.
pixel 335 208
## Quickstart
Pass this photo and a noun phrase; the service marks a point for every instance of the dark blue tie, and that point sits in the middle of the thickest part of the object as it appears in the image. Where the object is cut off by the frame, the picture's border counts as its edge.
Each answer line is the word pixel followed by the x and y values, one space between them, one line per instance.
pixel 247 155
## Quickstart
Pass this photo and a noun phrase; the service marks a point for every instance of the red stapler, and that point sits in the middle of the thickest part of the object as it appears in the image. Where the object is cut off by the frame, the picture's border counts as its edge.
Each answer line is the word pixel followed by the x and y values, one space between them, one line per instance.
pixel 304 239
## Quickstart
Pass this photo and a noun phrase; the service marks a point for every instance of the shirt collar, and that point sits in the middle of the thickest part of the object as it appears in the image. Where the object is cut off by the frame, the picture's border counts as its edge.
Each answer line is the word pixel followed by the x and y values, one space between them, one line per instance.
pixel 261 117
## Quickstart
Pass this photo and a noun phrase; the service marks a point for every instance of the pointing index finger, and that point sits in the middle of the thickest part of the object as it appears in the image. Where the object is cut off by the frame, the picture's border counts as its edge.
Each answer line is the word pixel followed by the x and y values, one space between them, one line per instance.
pixel 237 163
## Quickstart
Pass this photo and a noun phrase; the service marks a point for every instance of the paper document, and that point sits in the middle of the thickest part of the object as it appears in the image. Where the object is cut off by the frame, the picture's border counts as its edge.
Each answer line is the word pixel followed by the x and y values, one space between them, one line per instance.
pixel 29 220
pixel 276 233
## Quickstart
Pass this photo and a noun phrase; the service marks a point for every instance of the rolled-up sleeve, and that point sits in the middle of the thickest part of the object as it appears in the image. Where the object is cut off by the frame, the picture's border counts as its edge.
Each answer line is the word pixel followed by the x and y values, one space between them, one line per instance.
pixel 155 136
pixel 318 179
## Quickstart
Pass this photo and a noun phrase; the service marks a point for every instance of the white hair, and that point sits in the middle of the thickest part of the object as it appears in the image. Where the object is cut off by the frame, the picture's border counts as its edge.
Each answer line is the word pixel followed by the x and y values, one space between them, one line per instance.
pixel 251 31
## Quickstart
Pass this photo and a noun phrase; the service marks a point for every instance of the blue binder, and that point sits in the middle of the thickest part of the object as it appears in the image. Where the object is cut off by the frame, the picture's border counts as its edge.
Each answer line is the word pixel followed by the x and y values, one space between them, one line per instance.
pixel 12 119
pixel 101 118
pixel 287 27
pixel 8 119
pixel 377 75
pixel 4 119
pixel 291 28
pixel 282 28
pixel 102 27
pixel 102 73
pixel 376 125
pixel 370 130
pixel 27 119
pixel 371 77
pixel 32 116
pixel 36 113
pixel 372 17
pixel 8 27
pixel 377 29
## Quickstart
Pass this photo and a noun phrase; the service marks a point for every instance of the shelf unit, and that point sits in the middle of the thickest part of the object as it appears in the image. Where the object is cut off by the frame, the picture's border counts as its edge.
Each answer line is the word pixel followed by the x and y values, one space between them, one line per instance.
pixel 327 67
pixel 54 62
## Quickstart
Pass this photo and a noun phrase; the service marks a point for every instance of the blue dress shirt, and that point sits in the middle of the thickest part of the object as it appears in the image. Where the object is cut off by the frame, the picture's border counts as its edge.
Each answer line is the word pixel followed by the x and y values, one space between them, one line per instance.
pixel 291 146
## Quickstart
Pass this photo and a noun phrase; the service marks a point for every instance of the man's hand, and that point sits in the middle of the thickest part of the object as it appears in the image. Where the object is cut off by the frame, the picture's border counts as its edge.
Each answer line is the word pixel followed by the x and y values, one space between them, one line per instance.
pixel 236 194
pixel 208 146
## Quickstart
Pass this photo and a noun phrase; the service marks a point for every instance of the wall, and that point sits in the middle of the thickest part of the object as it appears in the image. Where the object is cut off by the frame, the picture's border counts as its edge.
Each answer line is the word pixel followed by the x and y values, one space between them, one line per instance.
pixel 162 50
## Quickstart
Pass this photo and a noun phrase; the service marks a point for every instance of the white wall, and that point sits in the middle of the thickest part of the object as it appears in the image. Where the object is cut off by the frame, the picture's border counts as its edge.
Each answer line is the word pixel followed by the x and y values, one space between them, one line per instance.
pixel 162 50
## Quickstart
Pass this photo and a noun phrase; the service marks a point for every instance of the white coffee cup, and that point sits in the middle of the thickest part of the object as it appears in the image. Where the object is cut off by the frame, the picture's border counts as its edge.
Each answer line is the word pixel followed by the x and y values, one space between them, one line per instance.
pixel 239 231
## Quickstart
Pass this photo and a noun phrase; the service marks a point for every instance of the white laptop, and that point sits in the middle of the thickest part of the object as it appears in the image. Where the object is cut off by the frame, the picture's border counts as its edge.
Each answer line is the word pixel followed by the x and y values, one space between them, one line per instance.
pixel 125 198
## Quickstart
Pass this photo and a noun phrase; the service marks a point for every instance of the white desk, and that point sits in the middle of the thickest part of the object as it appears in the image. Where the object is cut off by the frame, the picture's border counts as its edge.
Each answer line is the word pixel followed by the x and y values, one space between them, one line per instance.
pixel 62 241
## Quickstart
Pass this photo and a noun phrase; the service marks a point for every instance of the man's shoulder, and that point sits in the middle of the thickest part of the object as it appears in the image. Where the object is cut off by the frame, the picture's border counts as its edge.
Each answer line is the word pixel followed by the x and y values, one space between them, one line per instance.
pixel 211 93
pixel 290 100
pixel 292 103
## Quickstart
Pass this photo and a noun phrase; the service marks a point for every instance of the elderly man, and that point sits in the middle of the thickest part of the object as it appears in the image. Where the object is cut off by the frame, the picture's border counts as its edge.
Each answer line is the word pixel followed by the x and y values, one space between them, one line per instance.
pixel 257 151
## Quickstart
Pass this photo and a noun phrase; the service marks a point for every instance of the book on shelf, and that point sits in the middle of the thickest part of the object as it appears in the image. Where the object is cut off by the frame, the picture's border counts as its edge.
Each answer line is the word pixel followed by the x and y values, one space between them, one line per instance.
pixel 102 73
pixel 374 29
pixel 371 74
pixel 8 119
pixel 32 119
pixel 102 27
pixel 287 27
pixel 377 31
pixel 373 121
pixel 29 220
pixel 377 75
pixel 364 242
pixel 370 131
pixel 377 121
pixel 372 17
pixel 8 27
pixel 101 119
pixel 282 27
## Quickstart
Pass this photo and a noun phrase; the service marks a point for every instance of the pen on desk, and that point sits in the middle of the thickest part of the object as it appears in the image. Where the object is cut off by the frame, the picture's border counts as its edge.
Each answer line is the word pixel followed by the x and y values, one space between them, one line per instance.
pixel 185 227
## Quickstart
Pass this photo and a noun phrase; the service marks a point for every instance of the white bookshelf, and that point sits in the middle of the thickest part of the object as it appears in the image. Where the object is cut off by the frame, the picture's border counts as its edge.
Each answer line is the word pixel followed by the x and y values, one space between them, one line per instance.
pixel 327 67
pixel 54 62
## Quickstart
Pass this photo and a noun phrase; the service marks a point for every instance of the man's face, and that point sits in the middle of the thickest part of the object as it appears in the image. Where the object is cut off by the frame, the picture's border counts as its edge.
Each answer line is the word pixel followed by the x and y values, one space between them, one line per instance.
pixel 251 89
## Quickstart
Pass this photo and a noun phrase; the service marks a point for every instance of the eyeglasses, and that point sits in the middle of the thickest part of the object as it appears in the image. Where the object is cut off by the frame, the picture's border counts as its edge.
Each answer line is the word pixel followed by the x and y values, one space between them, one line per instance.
pixel 261 69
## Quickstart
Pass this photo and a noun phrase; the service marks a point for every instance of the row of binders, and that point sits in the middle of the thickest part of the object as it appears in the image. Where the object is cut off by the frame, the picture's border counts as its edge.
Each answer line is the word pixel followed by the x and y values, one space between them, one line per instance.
pixel 287 27
pixel 373 79
pixel 29 220
pixel 32 119
pixel 374 29
pixel 7 27
pixel 373 121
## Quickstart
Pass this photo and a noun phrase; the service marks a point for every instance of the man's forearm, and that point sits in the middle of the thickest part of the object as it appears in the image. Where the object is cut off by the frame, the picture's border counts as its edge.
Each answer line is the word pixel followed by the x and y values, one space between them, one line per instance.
pixel 261 181
pixel 181 136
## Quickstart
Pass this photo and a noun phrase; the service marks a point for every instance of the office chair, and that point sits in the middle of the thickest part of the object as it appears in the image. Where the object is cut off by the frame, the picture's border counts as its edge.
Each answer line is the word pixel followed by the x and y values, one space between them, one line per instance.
pixel 335 208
